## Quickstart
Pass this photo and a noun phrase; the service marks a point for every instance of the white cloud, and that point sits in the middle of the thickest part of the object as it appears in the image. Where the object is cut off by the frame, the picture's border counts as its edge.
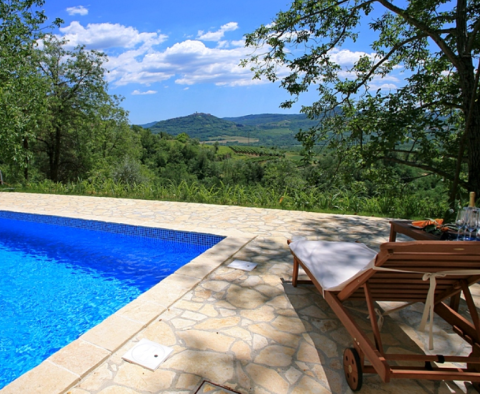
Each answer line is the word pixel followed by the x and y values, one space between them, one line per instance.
pixel 238 43
pixel 189 62
pixel 108 35
pixel 384 86
pixel 135 57
pixel 346 57
pixel 217 35
pixel 139 93
pixel 79 10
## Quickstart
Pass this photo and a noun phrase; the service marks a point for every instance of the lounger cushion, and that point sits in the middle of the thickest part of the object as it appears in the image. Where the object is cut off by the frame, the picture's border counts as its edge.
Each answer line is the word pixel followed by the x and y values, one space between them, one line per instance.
pixel 334 264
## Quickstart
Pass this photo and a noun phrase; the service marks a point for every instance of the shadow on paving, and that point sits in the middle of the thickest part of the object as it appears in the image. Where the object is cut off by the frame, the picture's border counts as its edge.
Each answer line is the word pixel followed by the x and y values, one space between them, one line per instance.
pixel 331 339
pixel 347 229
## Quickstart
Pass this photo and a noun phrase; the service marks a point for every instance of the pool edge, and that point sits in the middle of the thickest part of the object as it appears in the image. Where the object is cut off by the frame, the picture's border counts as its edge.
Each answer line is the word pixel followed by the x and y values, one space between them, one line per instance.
pixel 64 369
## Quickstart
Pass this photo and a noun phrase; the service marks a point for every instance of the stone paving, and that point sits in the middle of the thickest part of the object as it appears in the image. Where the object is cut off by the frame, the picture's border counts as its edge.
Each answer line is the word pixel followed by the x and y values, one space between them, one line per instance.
pixel 249 331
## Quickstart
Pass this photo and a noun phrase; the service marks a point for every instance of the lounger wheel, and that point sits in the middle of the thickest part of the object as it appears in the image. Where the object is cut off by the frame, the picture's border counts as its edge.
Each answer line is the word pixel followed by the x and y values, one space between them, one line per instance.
pixel 353 368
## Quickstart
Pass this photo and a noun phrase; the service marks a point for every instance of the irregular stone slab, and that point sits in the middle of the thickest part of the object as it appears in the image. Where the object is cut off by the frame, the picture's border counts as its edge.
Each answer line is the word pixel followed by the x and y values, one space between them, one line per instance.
pixel 117 390
pixel 269 291
pixel 244 298
pixel 289 324
pixel 252 281
pixel 159 332
pixel 97 378
pixel 229 275
pixel 193 316
pixel 268 331
pixel 259 342
pixel 308 353
pixel 325 344
pixel 280 302
pixel 209 310
pixel 227 312
pixel 202 293
pixel 241 350
pixel 215 324
pixel 275 356
pixel 313 311
pixel 293 375
pixel 309 386
pixel 267 378
pixel 265 313
pixel 142 379
pixel 238 332
pixel 205 340
pixel 182 323
pixel 224 304
pixel 215 285
pixel 217 367
pixel 188 381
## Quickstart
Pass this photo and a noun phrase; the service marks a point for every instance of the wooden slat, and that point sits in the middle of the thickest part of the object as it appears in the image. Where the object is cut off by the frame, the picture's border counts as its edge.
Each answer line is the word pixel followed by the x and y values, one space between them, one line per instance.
pixel 455 319
pixel 471 305
pixel 373 319
pixel 423 358
pixel 442 374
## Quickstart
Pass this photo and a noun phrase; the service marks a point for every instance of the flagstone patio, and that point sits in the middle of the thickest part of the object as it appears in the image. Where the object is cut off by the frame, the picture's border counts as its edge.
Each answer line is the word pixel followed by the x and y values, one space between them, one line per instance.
pixel 249 331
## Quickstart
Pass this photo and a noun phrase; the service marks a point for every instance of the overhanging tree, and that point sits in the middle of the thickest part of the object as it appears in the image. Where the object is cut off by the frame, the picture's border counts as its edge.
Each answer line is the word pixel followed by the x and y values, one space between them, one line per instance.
pixel 431 122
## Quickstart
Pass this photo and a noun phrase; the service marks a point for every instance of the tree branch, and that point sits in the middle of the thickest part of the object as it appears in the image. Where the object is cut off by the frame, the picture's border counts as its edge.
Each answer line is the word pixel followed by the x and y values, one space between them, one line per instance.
pixel 423 27
pixel 423 167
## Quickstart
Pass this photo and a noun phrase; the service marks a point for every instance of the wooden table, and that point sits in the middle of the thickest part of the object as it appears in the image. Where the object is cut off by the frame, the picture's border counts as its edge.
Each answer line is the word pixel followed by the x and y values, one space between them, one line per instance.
pixel 403 227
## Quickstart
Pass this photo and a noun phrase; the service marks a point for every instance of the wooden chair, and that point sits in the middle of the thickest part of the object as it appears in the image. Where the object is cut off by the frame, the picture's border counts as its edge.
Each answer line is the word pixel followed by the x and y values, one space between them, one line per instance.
pixel 409 272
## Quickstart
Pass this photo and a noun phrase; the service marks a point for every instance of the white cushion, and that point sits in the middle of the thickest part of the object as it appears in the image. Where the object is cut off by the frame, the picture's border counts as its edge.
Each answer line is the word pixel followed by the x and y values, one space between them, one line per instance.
pixel 334 264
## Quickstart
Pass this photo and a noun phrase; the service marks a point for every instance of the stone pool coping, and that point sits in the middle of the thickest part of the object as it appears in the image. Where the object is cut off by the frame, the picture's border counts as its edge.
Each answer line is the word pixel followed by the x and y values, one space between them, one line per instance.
pixel 68 366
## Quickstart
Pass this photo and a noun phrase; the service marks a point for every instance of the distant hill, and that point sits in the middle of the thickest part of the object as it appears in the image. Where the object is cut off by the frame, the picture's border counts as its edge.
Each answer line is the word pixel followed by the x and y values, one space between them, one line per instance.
pixel 201 126
pixel 263 129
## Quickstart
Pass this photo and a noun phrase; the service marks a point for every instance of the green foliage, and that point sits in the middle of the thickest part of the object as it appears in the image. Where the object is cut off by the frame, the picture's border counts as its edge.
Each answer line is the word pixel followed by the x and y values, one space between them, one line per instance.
pixel 251 196
pixel 21 96
pixel 431 123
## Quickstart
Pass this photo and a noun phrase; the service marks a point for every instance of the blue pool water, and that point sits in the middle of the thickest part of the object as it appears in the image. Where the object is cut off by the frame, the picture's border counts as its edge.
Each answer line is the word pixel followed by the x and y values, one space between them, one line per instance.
pixel 57 282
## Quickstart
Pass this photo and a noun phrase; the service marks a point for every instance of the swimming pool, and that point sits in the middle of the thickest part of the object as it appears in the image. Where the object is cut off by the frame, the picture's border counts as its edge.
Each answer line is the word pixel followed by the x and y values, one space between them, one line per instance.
pixel 59 277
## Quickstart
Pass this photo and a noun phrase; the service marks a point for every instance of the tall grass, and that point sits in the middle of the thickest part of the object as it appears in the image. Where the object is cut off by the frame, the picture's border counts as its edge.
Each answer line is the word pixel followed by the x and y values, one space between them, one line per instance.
pixel 335 201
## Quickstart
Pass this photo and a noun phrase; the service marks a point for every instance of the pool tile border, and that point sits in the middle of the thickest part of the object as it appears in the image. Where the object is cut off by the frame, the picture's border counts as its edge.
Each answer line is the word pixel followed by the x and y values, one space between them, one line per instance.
pixel 191 237
pixel 69 365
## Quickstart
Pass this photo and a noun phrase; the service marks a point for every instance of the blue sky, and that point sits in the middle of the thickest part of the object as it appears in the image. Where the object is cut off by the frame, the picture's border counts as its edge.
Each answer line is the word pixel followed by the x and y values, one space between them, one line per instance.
pixel 174 58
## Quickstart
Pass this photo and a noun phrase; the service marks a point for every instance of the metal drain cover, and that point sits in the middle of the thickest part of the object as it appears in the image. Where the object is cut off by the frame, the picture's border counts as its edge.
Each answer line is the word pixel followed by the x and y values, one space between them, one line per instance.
pixel 213 388
pixel 148 354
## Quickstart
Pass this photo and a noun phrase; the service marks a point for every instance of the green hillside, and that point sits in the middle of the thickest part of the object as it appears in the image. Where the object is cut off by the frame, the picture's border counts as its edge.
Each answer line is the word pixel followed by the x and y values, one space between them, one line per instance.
pixel 201 126
pixel 275 121
pixel 263 129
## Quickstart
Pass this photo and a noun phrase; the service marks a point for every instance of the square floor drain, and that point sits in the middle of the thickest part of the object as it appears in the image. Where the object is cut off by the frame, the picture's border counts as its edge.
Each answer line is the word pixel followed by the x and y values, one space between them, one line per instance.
pixel 242 265
pixel 212 388
pixel 148 354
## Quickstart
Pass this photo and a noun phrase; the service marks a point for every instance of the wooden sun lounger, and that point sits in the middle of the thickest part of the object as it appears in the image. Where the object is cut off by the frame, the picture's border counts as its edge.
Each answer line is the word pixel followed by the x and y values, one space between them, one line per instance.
pixel 409 261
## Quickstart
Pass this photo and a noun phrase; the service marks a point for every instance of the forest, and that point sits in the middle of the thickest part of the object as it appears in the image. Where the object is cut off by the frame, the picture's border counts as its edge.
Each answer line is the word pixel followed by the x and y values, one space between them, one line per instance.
pixel 367 154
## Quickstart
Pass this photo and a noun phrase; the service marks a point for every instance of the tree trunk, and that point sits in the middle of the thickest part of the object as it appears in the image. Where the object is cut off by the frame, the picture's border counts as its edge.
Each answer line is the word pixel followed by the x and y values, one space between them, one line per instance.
pixel 55 160
pixel 25 147
pixel 470 141
pixel 473 138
